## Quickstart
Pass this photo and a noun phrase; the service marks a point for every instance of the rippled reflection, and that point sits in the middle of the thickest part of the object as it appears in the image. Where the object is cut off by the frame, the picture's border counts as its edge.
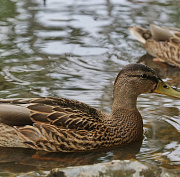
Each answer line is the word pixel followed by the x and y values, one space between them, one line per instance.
pixel 75 49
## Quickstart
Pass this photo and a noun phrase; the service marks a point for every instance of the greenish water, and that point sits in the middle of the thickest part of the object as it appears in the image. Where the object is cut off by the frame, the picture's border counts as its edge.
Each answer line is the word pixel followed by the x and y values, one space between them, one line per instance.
pixel 75 49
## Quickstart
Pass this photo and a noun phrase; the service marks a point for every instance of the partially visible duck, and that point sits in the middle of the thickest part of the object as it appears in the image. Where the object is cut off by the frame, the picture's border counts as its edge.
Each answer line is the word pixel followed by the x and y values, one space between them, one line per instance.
pixel 160 42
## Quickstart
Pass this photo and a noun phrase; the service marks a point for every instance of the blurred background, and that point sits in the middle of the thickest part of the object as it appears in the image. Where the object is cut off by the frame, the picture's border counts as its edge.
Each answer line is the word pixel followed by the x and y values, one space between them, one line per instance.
pixel 75 49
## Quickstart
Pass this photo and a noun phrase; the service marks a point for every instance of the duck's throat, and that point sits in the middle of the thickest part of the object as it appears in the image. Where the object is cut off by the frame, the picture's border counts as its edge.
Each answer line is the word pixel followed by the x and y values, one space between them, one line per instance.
pixel 125 101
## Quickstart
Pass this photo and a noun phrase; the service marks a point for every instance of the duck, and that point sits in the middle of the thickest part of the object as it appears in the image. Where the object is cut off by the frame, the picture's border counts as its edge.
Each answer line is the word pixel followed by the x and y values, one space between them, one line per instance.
pixel 57 124
pixel 161 42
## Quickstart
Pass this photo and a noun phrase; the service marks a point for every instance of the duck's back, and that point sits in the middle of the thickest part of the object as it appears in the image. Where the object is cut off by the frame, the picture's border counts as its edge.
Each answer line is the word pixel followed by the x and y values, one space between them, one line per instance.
pixel 43 122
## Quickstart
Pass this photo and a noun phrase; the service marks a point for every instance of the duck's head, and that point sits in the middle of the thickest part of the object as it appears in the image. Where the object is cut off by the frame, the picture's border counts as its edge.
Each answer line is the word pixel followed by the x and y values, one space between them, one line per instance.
pixel 135 79
pixel 159 33
pixel 141 34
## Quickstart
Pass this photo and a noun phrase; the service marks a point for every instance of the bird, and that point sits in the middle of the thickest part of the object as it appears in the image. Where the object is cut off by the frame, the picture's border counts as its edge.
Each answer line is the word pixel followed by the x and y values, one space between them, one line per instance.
pixel 57 124
pixel 160 42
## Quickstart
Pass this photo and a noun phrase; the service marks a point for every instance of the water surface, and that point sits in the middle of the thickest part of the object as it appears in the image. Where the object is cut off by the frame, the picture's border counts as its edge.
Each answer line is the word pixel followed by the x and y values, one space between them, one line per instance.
pixel 75 49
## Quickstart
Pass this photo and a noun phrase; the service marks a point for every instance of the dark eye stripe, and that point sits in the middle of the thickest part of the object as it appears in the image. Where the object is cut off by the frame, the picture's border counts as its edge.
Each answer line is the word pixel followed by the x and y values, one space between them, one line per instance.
pixel 153 78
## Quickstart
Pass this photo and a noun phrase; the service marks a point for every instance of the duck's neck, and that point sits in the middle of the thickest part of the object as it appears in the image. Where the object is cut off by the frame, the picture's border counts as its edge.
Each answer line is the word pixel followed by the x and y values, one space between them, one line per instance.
pixel 124 100
pixel 125 115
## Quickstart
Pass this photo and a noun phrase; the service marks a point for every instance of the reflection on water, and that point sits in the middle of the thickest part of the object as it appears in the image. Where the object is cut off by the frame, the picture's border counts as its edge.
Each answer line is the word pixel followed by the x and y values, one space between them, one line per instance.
pixel 30 159
pixel 165 71
pixel 75 49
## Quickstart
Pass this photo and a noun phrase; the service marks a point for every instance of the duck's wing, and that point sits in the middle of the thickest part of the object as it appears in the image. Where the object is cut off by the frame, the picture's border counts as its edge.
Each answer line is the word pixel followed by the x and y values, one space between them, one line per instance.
pixel 61 112
pixel 13 112
pixel 58 124
pixel 162 33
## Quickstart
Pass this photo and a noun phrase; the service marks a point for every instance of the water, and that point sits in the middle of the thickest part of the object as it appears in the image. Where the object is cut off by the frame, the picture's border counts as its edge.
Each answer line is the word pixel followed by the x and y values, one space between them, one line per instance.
pixel 75 49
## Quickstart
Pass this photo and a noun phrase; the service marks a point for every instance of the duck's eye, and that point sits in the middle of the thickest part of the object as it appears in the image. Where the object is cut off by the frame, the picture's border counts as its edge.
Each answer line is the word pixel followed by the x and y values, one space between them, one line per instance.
pixel 147 36
pixel 144 76
pixel 165 86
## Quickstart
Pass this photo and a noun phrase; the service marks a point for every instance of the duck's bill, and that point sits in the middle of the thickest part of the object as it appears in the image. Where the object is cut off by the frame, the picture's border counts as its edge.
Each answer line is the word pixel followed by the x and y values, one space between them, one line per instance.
pixel 137 32
pixel 165 89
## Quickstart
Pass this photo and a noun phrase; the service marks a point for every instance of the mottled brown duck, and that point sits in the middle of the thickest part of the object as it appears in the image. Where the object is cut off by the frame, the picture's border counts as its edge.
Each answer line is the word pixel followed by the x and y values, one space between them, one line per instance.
pixel 160 42
pixel 59 124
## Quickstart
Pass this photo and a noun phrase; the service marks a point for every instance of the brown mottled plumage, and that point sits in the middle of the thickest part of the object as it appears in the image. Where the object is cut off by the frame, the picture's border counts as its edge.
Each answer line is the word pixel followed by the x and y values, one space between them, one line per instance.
pixel 160 42
pixel 59 124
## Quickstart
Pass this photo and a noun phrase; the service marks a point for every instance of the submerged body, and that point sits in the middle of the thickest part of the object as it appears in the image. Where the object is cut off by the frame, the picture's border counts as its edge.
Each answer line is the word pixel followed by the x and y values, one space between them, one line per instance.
pixel 58 124
pixel 160 42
